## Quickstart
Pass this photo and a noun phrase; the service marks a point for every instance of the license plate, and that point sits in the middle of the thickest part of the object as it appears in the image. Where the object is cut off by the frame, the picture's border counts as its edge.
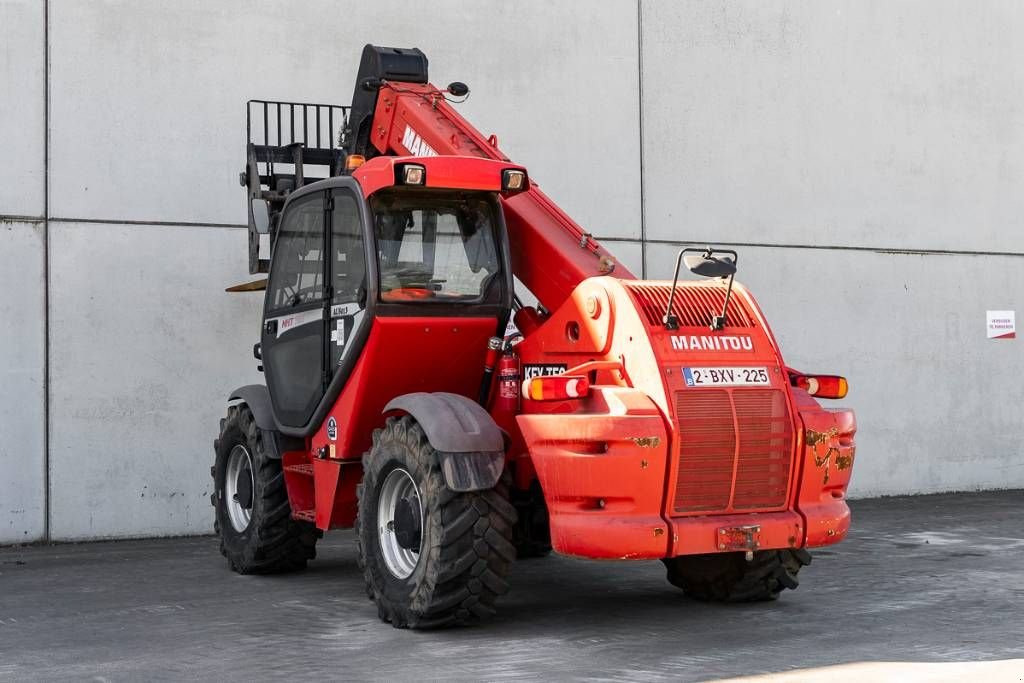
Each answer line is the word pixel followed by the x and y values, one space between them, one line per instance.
pixel 725 377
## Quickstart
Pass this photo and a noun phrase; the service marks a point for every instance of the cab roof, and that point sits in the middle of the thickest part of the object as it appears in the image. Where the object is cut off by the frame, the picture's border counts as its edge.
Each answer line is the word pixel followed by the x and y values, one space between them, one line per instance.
pixel 451 172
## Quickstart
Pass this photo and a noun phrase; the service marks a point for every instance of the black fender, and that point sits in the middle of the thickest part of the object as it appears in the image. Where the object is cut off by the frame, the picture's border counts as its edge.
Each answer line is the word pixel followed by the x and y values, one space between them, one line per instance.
pixel 257 398
pixel 470 443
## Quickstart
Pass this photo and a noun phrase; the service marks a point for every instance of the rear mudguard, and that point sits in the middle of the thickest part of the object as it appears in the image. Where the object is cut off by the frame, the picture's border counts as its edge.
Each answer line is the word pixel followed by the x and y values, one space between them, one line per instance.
pixel 470 444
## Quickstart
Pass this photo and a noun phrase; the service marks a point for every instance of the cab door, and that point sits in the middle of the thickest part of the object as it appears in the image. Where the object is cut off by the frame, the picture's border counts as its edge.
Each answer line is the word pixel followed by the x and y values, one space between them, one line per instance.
pixel 295 312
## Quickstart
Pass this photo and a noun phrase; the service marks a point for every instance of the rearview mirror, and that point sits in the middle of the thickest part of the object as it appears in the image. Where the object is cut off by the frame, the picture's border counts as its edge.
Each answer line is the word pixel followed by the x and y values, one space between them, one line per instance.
pixel 259 216
pixel 703 262
pixel 706 265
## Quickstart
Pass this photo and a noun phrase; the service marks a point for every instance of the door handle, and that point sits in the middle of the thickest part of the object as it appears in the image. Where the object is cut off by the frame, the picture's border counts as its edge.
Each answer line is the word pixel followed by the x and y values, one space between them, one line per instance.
pixel 270 327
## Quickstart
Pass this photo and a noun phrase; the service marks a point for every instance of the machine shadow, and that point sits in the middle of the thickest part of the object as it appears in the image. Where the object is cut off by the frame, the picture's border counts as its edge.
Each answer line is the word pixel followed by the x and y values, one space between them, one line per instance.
pixel 552 594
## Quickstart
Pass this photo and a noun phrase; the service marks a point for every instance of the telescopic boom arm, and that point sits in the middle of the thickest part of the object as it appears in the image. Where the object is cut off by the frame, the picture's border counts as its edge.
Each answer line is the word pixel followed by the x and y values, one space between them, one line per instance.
pixel 396 112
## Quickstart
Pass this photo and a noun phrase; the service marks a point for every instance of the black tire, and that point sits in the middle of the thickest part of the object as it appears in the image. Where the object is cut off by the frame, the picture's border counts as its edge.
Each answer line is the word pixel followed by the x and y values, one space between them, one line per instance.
pixel 272 542
pixel 464 541
pixel 532 532
pixel 729 577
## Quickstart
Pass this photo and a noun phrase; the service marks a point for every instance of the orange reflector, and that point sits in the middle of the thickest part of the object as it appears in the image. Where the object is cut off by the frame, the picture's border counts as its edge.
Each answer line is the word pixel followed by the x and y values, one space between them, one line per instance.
pixel 822 386
pixel 556 388
pixel 354 161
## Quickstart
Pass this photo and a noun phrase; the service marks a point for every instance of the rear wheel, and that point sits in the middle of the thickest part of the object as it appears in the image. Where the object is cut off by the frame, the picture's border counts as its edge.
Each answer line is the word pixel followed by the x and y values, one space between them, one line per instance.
pixel 252 514
pixel 729 577
pixel 431 556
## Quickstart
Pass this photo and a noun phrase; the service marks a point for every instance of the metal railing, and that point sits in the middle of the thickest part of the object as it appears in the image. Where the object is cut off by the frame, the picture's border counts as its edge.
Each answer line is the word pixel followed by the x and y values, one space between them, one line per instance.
pixel 278 121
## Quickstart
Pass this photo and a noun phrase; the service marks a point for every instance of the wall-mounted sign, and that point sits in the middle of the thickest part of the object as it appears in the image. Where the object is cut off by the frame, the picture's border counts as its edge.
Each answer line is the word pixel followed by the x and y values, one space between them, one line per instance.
pixel 1001 325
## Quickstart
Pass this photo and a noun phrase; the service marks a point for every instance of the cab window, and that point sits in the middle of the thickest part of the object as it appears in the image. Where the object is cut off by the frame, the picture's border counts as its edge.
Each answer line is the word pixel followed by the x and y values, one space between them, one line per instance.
pixel 435 246
pixel 348 276
pixel 349 262
pixel 296 275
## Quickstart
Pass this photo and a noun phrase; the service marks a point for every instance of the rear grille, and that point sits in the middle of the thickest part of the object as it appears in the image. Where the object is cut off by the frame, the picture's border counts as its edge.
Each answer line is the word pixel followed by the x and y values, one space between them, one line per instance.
pixel 722 431
pixel 707 446
pixel 694 304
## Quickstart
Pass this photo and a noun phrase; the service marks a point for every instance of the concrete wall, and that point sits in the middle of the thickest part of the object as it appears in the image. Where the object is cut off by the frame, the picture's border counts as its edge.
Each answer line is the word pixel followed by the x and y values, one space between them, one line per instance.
pixel 22 268
pixel 22 106
pixel 827 139
pixel 841 123
pixel 141 352
pixel 22 399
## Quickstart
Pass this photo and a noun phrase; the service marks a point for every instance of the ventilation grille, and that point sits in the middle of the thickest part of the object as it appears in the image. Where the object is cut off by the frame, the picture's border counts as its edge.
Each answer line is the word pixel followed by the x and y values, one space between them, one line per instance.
pixel 717 476
pixel 694 304
pixel 707 448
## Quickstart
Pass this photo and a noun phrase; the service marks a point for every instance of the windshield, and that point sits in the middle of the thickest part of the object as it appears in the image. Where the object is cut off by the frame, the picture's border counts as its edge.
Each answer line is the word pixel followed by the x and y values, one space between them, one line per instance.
pixel 435 246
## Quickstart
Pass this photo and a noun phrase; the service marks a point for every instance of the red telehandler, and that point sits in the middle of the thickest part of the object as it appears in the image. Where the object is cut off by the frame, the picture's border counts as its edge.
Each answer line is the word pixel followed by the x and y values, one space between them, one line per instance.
pixel 616 419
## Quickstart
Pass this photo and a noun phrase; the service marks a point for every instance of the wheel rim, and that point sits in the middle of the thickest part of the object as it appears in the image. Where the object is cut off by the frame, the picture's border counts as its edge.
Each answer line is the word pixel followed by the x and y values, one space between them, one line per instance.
pixel 239 486
pixel 400 523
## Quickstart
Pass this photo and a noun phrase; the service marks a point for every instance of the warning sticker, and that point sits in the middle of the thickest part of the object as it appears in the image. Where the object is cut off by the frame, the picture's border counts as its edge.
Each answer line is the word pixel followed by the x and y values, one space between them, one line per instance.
pixel 339 310
pixel 338 333
pixel 1001 325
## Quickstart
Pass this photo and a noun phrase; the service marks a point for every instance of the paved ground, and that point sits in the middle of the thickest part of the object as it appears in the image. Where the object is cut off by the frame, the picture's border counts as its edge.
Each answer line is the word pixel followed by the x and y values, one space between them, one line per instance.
pixel 924 579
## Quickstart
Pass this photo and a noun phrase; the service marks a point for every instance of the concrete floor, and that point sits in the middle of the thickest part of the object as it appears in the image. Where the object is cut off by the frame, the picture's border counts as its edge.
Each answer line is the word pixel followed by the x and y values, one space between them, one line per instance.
pixel 921 579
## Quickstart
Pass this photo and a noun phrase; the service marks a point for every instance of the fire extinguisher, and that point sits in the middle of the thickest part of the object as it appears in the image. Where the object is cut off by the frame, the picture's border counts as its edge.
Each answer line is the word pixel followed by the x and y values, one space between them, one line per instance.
pixel 507 400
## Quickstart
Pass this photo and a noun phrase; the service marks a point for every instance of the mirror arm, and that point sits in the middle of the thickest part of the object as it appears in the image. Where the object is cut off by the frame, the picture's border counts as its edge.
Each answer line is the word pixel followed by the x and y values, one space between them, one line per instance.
pixel 670 321
pixel 718 322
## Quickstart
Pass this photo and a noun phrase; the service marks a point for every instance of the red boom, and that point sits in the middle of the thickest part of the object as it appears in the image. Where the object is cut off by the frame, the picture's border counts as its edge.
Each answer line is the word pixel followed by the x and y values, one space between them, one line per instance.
pixel 551 254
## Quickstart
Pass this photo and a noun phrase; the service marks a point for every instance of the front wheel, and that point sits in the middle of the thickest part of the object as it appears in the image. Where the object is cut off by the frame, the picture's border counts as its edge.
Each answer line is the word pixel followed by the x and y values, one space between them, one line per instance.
pixel 729 577
pixel 251 511
pixel 431 556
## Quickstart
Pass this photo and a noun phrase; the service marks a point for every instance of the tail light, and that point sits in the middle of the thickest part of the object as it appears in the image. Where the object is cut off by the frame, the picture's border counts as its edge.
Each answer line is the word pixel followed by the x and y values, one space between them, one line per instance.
pixel 822 386
pixel 556 388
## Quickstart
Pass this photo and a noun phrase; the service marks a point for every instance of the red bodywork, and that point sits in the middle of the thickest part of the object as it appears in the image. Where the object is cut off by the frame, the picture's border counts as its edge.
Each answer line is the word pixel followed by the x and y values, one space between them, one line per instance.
pixel 644 466
pixel 649 467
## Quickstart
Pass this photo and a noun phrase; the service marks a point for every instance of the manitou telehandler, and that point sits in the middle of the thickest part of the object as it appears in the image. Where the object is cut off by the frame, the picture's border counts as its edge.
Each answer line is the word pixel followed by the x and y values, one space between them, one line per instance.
pixel 615 419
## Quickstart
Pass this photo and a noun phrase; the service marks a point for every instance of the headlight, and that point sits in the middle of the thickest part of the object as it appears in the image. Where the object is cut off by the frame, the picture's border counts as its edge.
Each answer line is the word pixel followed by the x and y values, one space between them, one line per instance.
pixel 513 180
pixel 413 174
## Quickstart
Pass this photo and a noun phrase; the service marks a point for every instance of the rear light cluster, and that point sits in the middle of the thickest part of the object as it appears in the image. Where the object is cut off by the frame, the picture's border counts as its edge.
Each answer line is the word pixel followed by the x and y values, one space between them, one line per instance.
pixel 822 386
pixel 572 383
pixel 556 388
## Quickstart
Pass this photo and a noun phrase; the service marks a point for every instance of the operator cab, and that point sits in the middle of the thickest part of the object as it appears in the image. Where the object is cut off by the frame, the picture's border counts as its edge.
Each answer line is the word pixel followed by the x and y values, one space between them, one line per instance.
pixel 397 257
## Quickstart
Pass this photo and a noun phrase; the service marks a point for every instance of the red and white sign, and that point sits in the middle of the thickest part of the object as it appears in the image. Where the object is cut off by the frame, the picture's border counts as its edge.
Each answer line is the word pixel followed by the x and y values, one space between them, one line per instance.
pixel 1001 325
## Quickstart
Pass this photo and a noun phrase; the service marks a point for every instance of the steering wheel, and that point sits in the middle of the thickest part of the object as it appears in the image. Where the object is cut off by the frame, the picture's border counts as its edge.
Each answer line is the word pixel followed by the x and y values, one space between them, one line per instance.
pixel 301 295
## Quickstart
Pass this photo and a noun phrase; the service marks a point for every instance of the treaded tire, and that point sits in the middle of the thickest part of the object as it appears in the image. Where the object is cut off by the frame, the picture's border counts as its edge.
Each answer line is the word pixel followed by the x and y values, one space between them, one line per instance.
pixel 728 577
pixel 272 542
pixel 466 550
